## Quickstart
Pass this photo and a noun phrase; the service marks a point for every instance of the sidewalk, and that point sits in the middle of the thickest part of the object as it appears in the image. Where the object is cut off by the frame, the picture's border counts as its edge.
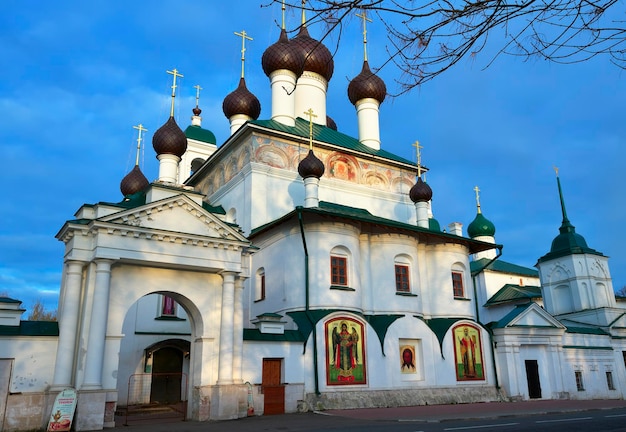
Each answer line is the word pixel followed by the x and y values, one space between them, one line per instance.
pixel 335 418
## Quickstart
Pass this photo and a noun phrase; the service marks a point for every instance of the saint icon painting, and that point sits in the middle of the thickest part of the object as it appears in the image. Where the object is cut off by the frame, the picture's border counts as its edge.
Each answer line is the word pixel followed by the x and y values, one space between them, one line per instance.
pixel 468 353
pixel 345 348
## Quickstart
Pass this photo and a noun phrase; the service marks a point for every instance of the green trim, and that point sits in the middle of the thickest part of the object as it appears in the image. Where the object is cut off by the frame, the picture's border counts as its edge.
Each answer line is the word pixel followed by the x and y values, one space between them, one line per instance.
pixel 302 128
pixel 462 298
pixel 31 328
pixel 513 293
pixel 287 336
pixel 169 318
pixel 162 333
pixel 341 288
pixel 405 294
pixel 503 267
pixel 601 348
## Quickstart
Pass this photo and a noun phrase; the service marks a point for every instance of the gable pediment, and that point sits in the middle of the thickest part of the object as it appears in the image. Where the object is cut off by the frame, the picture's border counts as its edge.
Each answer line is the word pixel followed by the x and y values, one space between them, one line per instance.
pixel 530 316
pixel 177 215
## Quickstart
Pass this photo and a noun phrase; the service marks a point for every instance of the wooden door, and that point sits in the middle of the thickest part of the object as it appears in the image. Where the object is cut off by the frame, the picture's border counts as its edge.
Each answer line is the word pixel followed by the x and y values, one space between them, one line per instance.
pixel 532 376
pixel 273 389
pixel 167 368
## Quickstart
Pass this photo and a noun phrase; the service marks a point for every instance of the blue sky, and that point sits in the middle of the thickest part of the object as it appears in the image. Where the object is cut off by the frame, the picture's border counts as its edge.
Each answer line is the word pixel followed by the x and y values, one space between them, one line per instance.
pixel 78 75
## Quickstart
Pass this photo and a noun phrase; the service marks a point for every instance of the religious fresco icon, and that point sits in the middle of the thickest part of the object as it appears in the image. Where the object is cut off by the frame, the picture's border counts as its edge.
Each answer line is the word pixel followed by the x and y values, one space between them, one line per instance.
pixel 345 348
pixel 407 359
pixel 468 353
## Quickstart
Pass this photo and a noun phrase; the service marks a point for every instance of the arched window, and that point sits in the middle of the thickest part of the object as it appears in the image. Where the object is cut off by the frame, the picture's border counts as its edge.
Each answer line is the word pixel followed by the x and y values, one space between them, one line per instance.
pixel 458 281
pixel 260 284
pixel 402 265
pixel 339 267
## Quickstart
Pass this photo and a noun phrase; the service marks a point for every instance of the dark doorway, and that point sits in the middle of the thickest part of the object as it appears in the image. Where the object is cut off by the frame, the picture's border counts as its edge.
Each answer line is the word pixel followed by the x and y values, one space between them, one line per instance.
pixel 167 368
pixel 273 389
pixel 532 376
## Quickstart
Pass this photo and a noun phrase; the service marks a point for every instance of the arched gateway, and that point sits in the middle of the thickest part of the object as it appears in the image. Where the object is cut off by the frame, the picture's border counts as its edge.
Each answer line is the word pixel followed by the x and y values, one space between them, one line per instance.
pixel 161 241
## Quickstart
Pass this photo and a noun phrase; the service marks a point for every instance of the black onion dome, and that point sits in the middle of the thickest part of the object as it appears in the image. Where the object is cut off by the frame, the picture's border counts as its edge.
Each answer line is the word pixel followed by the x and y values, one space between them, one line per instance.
pixel 317 58
pixel 330 123
pixel 169 139
pixel 133 182
pixel 241 101
pixel 283 55
pixel 420 192
pixel 366 85
pixel 311 166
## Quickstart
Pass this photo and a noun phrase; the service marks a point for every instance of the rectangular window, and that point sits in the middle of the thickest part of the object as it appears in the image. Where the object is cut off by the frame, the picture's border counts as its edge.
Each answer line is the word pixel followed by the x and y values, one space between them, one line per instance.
pixel 457 285
pixel 402 278
pixel 338 271
pixel 168 306
pixel 579 381
pixel 609 380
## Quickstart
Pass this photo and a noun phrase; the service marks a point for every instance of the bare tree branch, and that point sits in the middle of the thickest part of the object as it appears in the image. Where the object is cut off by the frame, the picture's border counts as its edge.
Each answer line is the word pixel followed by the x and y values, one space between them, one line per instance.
pixel 426 38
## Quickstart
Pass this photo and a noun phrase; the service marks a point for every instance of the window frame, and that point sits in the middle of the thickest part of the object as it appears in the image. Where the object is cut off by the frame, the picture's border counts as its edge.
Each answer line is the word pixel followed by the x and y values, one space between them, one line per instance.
pixel 456 283
pixel 402 279
pixel 164 304
pixel 609 380
pixel 260 291
pixel 335 277
pixel 580 384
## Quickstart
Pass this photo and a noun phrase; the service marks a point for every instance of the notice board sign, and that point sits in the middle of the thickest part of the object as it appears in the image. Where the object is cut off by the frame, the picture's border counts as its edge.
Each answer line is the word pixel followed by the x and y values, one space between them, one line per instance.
pixel 63 411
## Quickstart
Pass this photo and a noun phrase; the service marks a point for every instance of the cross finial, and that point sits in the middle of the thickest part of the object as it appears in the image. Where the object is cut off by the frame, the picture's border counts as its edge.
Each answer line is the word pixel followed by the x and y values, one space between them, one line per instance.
pixel 198 88
pixel 365 19
pixel 176 74
pixel 311 116
pixel 283 17
pixel 141 129
pixel 303 15
pixel 243 36
pixel 477 197
pixel 556 170
pixel 418 147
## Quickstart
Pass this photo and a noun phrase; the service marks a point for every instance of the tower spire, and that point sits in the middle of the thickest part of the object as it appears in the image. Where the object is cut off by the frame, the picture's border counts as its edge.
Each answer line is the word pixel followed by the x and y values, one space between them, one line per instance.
pixel 303 14
pixel 141 129
pixel 175 73
pixel 365 19
pixel 566 225
pixel 243 36
pixel 282 8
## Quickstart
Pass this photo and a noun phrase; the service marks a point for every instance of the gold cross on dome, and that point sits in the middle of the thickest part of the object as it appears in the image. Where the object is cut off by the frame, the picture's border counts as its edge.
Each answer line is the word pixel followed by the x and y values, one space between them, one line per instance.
pixel 418 147
pixel 243 36
pixel 556 170
pixel 365 19
pixel 477 197
pixel 311 116
pixel 176 74
pixel 141 129
pixel 198 88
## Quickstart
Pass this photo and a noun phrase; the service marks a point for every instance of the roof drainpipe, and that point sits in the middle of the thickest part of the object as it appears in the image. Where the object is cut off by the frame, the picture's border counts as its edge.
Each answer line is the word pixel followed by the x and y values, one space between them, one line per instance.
pixel 493 353
pixel 306 304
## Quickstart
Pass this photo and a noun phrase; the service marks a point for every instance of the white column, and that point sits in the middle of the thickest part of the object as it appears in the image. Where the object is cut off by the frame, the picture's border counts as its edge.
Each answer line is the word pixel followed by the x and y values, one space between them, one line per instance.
pixel 421 208
pixel 98 327
pixel 237 121
pixel 225 371
pixel 68 326
pixel 168 167
pixel 311 94
pixel 365 271
pixel 283 84
pixel 311 189
pixel 367 111
pixel 238 331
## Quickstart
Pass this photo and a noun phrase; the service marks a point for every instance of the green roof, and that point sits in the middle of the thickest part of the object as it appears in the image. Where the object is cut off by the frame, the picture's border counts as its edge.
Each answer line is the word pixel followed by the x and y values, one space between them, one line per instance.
pixel 31 328
pixel 511 315
pixel 9 300
pixel 199 134
pixel 376 224
pixel 329 136
pixel 587 330
pixel 503 267
pixel 512 293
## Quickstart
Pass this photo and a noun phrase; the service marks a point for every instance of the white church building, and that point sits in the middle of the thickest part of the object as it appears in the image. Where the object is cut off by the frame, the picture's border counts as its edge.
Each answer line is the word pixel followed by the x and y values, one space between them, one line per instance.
pixel 293 268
